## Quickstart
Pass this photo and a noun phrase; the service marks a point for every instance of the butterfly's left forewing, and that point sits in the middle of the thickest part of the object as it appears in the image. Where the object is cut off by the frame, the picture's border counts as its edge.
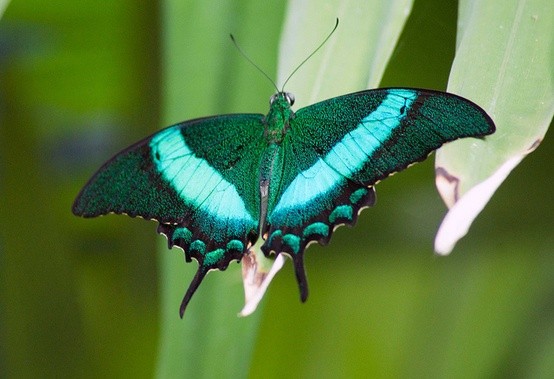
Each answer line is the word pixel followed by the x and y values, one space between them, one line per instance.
pixel 339 148
pixel 197 179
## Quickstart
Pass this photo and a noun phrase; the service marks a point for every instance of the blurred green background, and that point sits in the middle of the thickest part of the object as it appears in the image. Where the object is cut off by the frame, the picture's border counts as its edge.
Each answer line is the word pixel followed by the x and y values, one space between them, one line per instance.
pixel 80 298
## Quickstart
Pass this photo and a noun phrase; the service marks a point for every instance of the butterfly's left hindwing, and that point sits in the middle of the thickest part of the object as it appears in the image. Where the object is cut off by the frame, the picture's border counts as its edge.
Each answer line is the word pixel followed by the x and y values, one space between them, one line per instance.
pixel 196 179
pixel 336 150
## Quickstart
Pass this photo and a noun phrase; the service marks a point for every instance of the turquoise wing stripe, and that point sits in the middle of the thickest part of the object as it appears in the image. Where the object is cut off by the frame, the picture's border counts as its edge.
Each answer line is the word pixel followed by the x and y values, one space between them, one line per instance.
pixel 309 185
pixel 352 152
pixel 196 182
pixel 349 155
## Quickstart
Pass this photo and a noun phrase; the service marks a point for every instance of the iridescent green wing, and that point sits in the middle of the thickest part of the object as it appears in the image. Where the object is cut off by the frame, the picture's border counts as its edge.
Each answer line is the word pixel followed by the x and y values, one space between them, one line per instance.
pixel 198 179
pixel 336 150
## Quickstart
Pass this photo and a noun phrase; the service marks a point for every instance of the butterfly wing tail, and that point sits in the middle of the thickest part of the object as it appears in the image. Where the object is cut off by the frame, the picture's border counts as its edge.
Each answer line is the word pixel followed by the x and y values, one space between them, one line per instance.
pixel 317 226
pixel 300 272
pixel 200 274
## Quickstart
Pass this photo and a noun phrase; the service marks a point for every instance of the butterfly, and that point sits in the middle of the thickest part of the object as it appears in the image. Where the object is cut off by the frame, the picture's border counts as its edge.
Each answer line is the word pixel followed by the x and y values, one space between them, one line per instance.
pixel 217 184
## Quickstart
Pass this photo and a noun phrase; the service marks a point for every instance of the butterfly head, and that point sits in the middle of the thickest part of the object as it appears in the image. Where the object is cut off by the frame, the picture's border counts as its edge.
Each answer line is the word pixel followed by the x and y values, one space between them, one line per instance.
pixel 282 96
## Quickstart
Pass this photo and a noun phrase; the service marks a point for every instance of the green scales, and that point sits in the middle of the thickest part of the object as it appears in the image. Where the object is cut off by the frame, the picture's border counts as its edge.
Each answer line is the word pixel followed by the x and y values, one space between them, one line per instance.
pixel 218 184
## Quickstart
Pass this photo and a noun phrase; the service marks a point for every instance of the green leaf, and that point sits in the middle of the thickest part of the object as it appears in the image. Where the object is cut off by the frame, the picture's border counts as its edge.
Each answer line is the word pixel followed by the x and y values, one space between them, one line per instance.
pixel 202 75
pixel 504 63
pixel 3 6
pixel 354 58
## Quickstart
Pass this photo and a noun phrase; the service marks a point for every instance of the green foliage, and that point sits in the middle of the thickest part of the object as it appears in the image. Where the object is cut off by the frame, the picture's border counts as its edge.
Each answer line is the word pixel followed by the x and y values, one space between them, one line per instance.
pixel 76 296
pixel 509 73
pixel 3 5
pixel 354 58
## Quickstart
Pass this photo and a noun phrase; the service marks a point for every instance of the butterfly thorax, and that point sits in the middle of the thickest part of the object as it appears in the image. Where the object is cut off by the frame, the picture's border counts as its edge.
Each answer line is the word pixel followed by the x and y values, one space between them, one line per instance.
pixel 278 117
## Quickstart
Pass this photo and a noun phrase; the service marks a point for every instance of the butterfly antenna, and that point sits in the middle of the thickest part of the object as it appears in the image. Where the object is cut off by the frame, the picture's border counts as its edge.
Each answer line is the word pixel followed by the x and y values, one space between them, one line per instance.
pixel 252 62
pixel 311 55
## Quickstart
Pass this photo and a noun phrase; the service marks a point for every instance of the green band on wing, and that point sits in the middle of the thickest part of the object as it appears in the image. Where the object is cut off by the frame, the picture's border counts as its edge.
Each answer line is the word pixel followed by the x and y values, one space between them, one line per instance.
pixel 195 180
pixel 317 228
pixel 182 233
pixel 358 195
pixel 213 257
pixel 341 213
pixel 350 154
pixel 198 246
pixel 293 242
